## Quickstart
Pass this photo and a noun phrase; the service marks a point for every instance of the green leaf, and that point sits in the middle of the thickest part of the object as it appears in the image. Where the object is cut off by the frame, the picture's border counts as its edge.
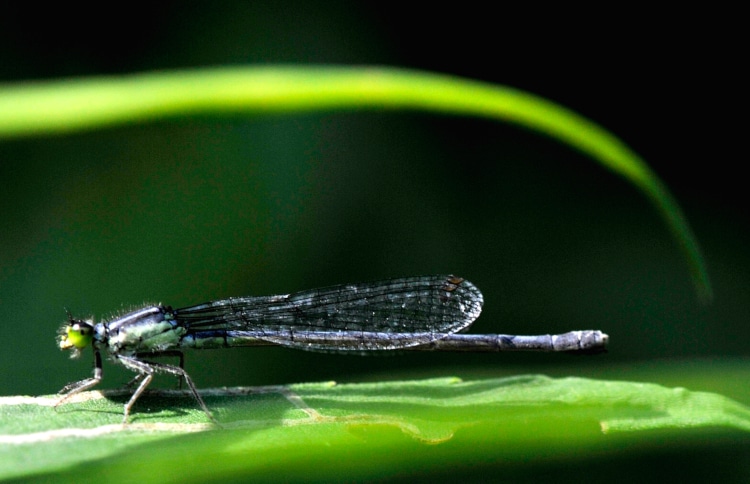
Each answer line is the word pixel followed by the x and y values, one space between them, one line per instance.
pixel 78 104
pixel 353 431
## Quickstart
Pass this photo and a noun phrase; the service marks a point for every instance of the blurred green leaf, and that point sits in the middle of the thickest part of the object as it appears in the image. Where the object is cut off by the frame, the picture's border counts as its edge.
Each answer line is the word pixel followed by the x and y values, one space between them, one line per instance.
pixel 71 105
pixel 346 432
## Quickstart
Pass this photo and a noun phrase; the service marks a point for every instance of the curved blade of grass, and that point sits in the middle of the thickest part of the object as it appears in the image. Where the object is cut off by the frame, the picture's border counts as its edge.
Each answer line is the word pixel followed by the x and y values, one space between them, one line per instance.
pixel 79 104
pixel 353 431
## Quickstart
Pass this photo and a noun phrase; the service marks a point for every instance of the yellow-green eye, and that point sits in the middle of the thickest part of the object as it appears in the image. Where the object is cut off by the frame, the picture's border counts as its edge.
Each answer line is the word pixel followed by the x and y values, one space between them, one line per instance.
pixel 76 335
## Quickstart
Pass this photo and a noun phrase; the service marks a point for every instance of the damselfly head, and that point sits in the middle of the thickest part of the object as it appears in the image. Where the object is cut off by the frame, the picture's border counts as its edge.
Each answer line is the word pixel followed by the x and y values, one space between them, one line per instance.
pixel 75 335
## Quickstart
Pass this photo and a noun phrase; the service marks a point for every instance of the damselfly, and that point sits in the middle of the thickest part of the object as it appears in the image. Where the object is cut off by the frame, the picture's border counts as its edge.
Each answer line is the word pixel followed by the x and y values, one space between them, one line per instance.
pixel 413 313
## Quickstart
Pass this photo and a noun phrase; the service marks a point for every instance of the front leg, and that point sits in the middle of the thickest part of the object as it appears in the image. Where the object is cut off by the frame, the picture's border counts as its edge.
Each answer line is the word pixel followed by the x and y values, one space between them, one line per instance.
pixel 73 388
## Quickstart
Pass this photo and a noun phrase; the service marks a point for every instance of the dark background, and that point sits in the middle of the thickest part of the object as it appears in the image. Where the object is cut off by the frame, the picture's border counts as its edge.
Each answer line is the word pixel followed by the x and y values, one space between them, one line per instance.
pixel 189 210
